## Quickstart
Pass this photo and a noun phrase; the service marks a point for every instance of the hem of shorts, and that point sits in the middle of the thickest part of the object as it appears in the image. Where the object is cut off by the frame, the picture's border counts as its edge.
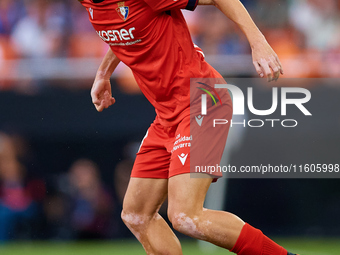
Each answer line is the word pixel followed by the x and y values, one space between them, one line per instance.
pixel 148 177
pixel 214 177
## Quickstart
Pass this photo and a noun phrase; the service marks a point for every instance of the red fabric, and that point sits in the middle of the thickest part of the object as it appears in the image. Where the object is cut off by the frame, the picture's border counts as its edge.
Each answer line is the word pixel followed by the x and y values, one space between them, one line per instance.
pixel 167 5
pixel 169 151
pixel 253 242
pixel 152 38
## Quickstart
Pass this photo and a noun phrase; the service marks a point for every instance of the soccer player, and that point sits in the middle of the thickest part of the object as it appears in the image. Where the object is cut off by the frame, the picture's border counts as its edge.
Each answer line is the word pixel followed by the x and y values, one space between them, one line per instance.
pixel 152 38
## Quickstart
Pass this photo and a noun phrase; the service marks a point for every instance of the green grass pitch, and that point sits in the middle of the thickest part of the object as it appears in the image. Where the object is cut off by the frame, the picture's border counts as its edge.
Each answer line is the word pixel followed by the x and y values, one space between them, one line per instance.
pixel 303 246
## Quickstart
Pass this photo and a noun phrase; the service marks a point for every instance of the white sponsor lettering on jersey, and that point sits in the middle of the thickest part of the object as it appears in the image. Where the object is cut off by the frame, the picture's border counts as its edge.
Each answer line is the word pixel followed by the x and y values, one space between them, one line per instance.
pixel 116 35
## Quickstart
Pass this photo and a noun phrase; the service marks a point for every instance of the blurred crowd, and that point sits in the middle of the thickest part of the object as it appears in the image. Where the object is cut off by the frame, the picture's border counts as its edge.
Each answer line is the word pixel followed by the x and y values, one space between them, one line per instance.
pixel 304 33
pixel 74 203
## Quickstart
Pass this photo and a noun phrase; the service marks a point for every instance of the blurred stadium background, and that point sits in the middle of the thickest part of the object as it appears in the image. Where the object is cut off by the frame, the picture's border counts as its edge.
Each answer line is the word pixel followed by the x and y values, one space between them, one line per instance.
pixel 64 167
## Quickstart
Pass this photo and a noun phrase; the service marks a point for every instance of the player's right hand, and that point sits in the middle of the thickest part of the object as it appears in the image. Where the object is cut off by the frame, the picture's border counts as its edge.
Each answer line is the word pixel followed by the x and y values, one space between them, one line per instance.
pixel 265 60
pixel 101 94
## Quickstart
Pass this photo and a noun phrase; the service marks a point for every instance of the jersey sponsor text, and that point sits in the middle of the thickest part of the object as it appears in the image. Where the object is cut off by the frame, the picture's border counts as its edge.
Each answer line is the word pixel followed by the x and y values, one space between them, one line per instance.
pixel 116 35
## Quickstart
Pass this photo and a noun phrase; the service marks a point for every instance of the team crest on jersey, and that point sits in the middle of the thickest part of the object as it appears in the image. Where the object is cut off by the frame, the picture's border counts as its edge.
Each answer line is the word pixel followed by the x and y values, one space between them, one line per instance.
pixel 122 10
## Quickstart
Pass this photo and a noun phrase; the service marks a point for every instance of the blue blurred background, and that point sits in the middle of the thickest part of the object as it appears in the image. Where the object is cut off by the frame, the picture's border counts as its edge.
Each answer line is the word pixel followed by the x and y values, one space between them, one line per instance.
pixel 64 167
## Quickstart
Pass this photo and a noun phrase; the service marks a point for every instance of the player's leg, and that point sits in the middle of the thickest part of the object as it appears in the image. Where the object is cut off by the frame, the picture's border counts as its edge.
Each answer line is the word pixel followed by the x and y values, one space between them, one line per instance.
pixel 146 192
pixel 142 201
pixel 186 197
pixel 186 212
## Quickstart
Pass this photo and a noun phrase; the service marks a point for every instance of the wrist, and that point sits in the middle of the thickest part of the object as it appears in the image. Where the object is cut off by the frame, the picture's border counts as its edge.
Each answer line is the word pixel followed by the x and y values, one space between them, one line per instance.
pixel 256 39
pixel 102 75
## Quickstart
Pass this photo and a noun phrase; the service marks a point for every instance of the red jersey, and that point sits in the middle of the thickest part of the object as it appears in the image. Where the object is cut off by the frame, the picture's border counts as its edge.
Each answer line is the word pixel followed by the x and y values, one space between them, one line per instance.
pixel 152 38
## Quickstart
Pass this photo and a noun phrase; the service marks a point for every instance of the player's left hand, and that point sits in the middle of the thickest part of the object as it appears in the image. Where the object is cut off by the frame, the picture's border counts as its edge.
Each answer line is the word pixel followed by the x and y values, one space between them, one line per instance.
pixel 265 60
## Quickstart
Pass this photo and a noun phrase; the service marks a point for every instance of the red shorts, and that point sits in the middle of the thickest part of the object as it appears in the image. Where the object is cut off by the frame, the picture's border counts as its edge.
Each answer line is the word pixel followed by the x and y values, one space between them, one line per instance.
pixel 185 147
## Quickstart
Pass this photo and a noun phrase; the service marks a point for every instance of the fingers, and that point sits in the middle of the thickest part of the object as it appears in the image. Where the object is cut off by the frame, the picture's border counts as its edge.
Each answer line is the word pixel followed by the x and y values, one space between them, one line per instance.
pixel 108 100
pixel 102 102
pixel 100 107
pixel 267 71
pixel 280 65
pixel 275 69
pixel 270 68
pixel 96 101
pixel 276 66
pixel 258 69
pixel 95 98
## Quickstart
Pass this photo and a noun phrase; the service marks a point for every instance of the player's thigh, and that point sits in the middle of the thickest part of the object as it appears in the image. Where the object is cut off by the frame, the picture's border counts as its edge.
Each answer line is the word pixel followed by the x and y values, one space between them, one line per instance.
pixel 145 195
pixel 186 194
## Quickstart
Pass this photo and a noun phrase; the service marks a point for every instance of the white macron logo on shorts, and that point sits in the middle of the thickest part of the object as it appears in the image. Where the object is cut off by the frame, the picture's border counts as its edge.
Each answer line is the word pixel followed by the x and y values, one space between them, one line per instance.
pixel 91 12
pixel 183 158
pixel 199 119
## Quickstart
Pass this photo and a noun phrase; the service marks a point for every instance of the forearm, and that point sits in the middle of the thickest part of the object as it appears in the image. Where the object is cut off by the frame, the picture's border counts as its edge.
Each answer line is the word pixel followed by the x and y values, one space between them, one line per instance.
pixel 236 12
pixel 265 60
pixel 108 65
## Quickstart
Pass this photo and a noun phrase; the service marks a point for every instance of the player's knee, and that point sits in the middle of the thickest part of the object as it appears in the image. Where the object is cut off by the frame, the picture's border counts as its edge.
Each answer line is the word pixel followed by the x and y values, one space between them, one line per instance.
pixel 133 219
pixel 130 215
pixel 134 215
pixel 185 223
pixel 176 212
